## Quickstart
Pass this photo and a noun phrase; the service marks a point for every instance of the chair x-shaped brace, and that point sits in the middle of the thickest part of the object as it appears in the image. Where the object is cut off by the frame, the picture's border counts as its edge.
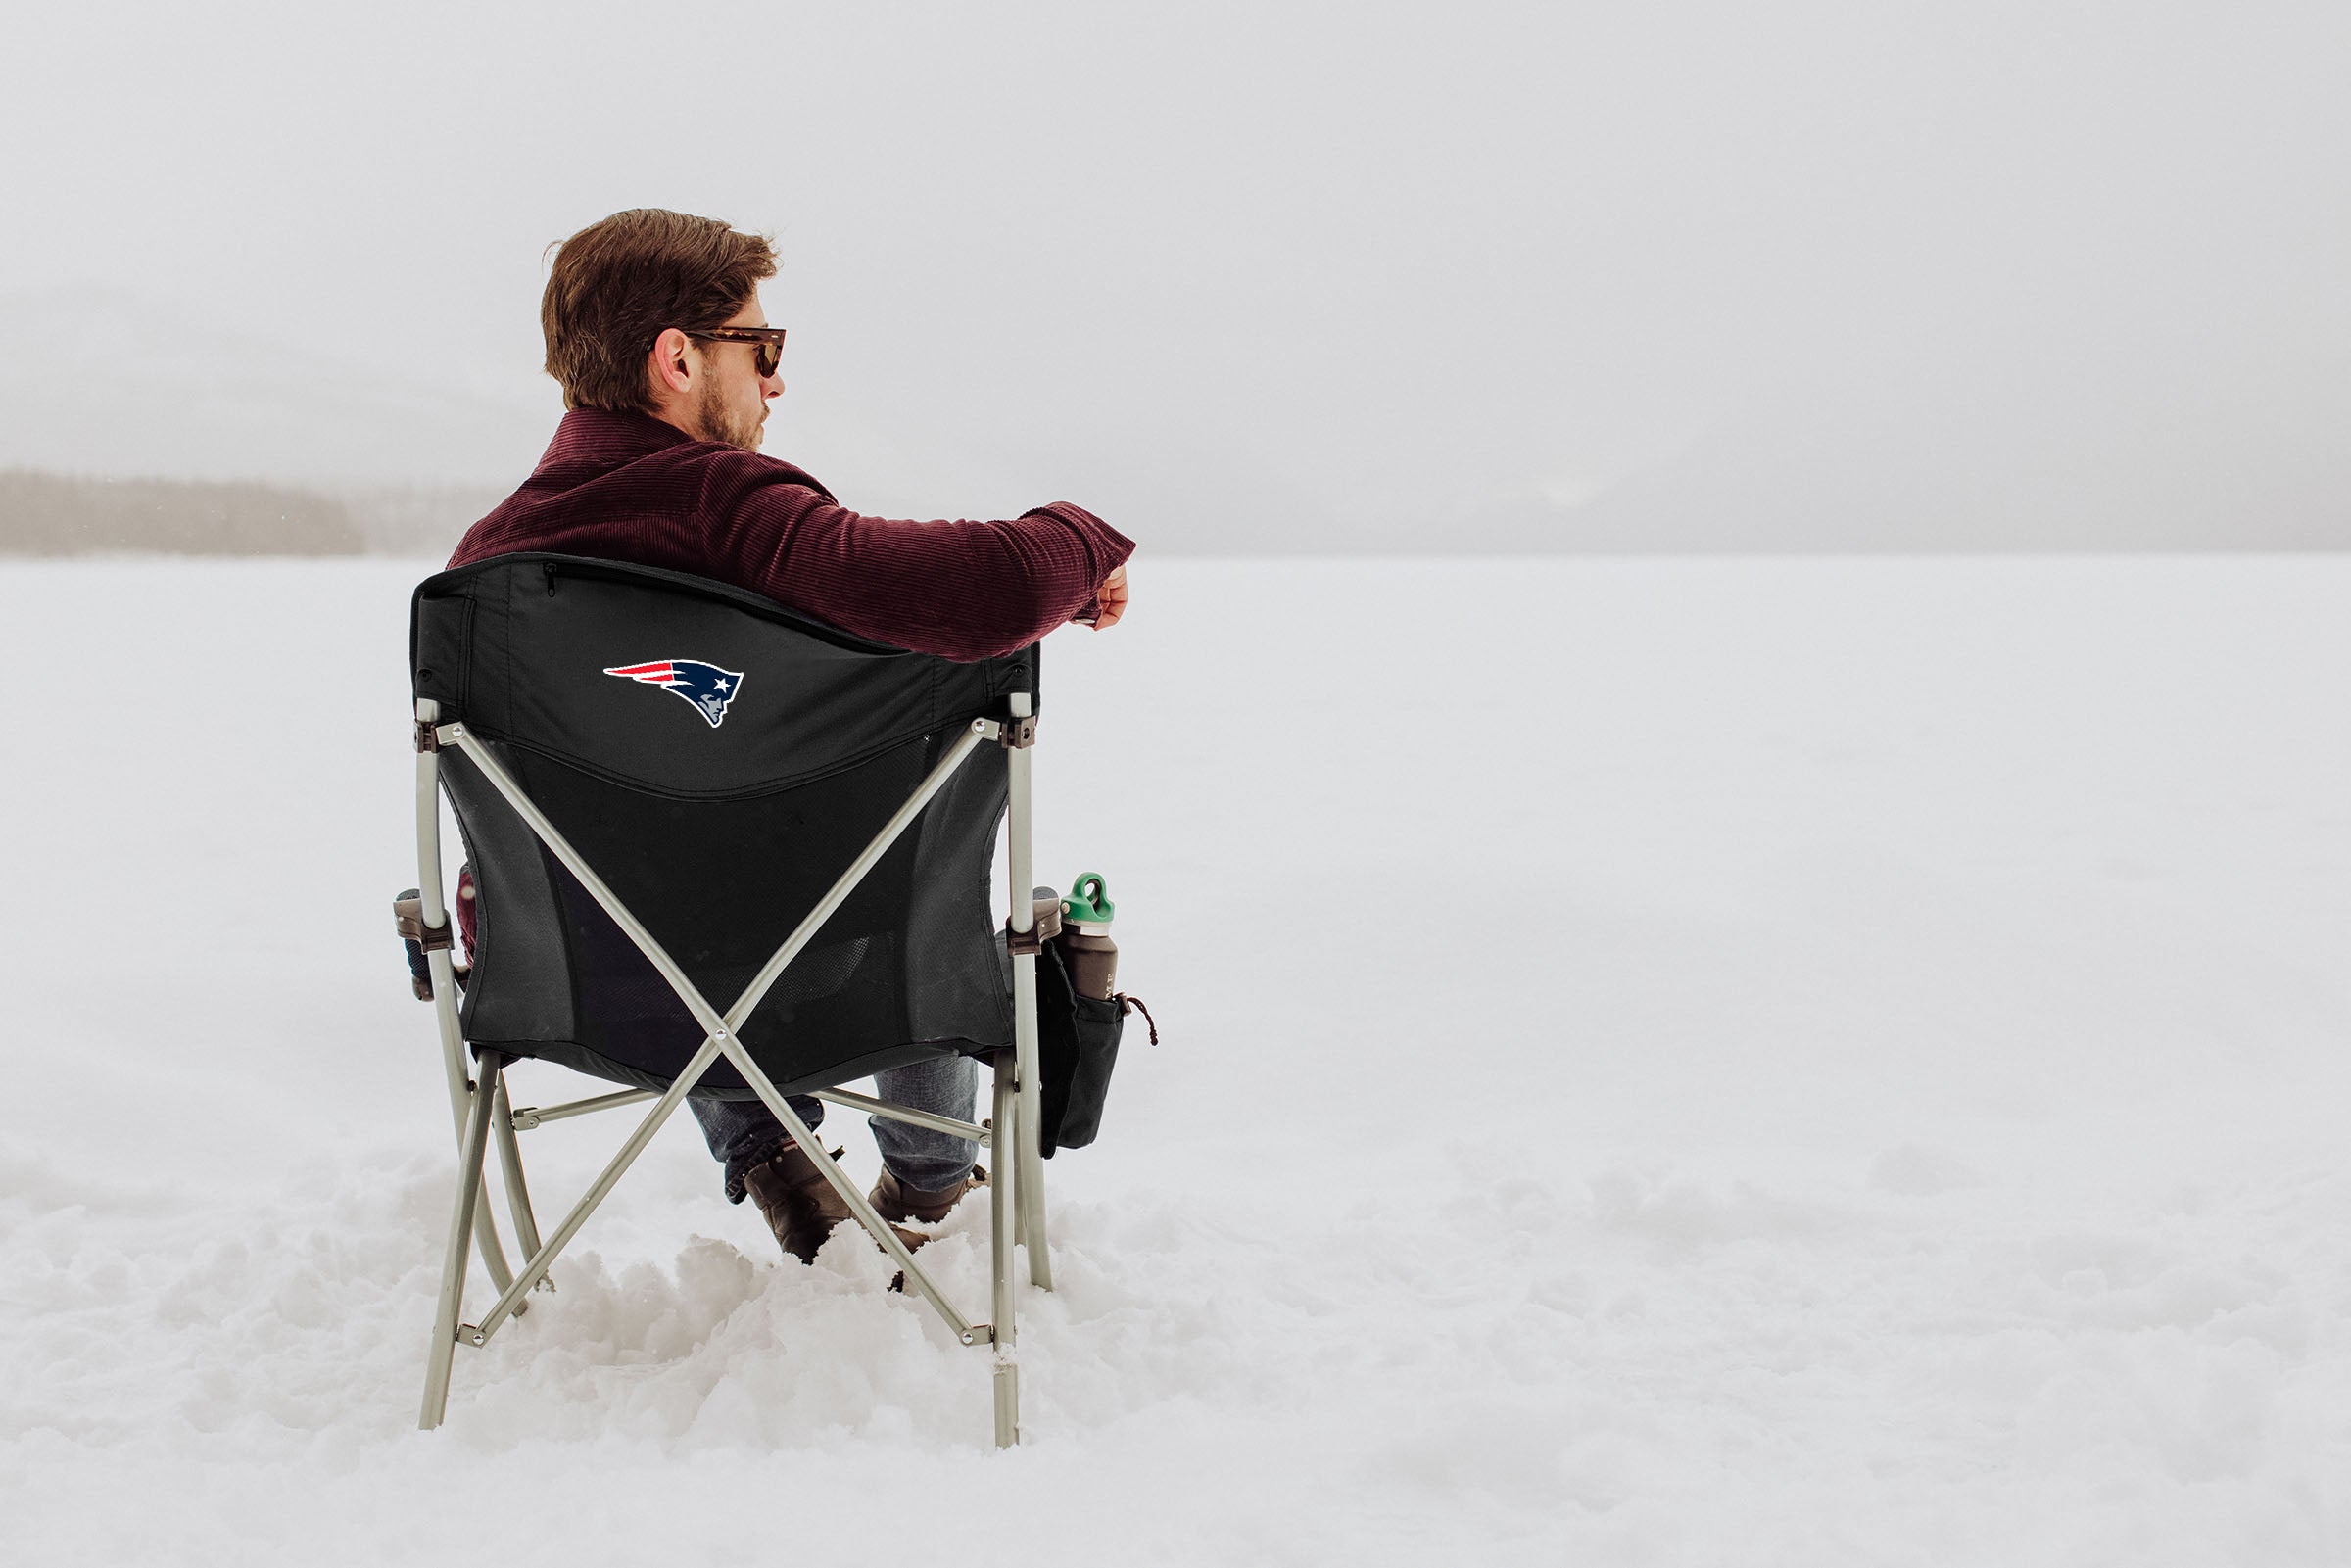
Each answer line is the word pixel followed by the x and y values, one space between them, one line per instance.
pixel 1016 1193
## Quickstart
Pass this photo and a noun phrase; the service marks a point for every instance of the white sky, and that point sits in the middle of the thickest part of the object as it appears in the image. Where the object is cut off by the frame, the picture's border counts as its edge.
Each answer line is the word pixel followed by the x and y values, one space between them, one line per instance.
pixel 1281 275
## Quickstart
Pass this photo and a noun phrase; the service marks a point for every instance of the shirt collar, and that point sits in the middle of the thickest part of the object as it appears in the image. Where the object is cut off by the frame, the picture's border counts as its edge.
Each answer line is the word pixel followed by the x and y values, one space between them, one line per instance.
pixel 599 436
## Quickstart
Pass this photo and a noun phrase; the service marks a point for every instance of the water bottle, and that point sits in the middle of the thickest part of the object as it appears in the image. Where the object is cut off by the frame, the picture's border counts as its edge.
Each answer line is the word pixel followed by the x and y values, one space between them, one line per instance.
pixel 1087 952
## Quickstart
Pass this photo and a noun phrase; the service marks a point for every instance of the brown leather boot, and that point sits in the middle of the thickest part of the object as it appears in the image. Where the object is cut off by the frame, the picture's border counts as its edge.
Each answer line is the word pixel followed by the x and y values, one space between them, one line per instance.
pixel 893 1200
pixel 800 1205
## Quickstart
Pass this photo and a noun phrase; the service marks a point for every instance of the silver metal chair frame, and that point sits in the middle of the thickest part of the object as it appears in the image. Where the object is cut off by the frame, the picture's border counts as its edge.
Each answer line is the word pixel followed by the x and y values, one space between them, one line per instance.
pixel 479 1104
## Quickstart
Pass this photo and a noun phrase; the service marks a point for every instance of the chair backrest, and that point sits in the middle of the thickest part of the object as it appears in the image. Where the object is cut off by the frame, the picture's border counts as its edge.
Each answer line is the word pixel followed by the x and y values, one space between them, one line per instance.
pixel 718 761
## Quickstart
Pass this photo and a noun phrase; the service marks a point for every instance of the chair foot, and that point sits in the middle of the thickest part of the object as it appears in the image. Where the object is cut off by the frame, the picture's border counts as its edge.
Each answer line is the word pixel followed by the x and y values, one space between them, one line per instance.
pixel 1008 1405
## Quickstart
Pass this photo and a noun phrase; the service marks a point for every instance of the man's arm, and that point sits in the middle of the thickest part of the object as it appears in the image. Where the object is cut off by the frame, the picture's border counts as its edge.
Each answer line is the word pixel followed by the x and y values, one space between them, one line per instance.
pixel 960 590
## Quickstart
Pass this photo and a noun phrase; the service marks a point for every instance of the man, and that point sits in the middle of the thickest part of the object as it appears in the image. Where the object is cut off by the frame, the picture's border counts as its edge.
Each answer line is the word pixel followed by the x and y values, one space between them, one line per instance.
pixel 655 331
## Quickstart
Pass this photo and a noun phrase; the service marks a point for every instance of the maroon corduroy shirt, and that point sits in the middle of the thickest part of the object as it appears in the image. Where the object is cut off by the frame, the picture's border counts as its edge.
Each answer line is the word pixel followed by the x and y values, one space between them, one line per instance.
pixel 627 487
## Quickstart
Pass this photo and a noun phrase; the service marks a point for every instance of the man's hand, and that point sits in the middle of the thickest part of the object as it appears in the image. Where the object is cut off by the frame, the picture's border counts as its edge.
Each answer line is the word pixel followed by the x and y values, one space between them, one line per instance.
pixel 1109 600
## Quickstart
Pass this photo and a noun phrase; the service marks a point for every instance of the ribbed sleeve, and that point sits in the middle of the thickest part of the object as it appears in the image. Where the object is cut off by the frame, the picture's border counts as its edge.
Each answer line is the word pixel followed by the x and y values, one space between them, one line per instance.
pixel 627 487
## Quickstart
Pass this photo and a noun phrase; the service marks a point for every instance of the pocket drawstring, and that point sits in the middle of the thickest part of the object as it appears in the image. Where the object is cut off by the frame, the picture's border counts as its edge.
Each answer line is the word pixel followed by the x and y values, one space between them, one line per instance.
pixel 1134 1003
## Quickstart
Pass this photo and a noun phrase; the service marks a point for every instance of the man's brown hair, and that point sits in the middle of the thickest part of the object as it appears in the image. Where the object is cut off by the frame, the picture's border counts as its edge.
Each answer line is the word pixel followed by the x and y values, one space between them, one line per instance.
pixel 620 283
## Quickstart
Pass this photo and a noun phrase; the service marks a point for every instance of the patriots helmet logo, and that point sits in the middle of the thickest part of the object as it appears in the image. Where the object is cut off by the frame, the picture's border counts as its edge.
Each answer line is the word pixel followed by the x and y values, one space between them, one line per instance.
pixel 707 687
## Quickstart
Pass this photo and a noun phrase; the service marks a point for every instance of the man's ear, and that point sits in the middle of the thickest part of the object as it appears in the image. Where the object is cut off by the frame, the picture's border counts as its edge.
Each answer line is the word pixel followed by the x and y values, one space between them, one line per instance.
pixel 667 366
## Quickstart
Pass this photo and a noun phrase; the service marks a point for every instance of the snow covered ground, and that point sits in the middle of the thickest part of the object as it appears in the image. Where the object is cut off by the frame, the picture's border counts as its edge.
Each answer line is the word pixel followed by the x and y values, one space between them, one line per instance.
pixel 1704 1062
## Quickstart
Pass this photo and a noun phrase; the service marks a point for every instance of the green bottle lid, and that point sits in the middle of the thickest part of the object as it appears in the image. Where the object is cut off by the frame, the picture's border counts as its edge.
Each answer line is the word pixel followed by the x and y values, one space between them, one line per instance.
pixel 1088 902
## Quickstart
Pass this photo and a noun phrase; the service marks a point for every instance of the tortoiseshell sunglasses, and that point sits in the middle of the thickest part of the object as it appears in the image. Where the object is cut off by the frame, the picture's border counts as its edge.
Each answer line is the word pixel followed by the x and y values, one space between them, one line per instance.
pixel 768 342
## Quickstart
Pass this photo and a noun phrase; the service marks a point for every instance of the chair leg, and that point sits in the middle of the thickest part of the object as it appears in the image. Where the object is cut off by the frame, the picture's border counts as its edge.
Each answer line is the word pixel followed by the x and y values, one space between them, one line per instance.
pixel 455 1257
pixel 1031 1191
pixel 510 1165
pixel 1002 1220
pixel 1021 1155
pixel 460 1099
pixel 485 1238
pixel 1024 1155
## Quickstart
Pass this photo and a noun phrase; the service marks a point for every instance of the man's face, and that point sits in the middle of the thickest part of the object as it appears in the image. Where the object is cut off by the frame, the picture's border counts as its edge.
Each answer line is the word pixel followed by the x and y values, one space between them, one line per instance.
pixel 730 398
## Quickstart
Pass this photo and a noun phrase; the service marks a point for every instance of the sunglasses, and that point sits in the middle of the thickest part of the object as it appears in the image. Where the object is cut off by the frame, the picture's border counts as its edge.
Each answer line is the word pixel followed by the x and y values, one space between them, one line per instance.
pixel 768 340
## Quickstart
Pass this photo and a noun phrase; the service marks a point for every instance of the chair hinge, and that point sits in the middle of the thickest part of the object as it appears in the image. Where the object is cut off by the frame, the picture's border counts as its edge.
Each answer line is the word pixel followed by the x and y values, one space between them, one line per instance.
pixel 428 737
pixel 408 913
pixel 1045 923
pixel 1017 734
pixel 980 1334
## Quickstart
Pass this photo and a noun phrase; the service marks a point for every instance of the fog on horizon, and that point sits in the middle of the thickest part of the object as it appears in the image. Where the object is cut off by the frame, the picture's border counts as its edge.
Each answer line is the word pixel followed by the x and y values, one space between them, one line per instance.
pixel 1270 277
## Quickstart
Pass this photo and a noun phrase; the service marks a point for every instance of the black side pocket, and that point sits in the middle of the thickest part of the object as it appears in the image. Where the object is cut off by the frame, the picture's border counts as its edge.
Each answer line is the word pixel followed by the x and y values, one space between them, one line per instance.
pixel 1077 1046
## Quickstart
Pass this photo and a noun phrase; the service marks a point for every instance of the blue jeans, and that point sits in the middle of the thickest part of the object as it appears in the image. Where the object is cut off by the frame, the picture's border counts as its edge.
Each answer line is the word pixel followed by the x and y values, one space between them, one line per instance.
pixel 744 1134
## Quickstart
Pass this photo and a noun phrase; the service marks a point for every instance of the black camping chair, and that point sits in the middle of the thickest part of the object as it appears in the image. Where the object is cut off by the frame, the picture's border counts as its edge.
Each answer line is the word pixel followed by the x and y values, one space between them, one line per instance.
pixel 722 850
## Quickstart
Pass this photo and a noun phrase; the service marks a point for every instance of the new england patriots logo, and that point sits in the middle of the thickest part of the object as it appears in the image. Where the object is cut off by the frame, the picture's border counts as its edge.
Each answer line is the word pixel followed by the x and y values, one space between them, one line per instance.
pixel 707 687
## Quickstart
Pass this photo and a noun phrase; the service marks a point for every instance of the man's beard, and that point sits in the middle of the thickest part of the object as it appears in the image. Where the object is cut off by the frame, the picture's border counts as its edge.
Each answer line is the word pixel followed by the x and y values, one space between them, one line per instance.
pixel 721 423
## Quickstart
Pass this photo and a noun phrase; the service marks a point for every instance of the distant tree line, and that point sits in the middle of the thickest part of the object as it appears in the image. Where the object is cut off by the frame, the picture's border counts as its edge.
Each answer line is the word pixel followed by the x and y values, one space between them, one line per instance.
pixel 61 514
